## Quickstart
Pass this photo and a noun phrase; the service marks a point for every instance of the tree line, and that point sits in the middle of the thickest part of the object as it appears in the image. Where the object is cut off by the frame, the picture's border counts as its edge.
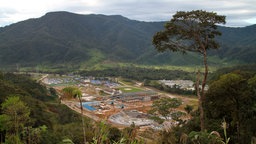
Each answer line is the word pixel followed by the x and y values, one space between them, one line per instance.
pixel 140 74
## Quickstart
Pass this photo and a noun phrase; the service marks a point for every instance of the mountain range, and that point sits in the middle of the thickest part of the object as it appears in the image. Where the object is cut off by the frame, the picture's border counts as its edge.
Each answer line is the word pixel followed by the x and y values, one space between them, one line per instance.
pixel 59 38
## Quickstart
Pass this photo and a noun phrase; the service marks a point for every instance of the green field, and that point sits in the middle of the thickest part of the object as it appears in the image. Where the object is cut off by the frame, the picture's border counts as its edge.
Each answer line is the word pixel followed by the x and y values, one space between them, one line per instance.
pixel 130 89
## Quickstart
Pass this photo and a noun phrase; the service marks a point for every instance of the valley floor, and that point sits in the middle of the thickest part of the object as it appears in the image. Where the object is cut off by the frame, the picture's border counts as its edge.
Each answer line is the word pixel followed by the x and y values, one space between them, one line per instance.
pixel 120 104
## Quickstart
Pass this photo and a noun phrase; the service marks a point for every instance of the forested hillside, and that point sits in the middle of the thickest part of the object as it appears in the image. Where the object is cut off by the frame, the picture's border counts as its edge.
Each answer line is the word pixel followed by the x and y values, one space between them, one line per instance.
pixel 238 44
pixel 62 38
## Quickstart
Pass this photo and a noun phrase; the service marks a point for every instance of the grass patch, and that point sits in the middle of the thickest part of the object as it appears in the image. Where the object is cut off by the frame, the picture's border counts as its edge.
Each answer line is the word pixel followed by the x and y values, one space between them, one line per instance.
pixel 130 89
pixel 93 62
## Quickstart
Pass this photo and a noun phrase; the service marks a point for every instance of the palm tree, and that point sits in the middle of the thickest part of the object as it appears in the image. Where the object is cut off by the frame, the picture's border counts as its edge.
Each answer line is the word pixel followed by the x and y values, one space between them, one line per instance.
pixel 78 94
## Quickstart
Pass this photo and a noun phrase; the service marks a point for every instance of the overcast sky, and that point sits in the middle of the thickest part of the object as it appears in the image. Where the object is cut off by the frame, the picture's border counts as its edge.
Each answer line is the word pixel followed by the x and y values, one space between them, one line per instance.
pixel 238 12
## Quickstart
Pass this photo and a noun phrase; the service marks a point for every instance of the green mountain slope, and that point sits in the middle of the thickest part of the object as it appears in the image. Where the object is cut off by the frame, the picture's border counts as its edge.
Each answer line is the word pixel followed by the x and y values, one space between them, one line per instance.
pixel 238 44
pixel 66 38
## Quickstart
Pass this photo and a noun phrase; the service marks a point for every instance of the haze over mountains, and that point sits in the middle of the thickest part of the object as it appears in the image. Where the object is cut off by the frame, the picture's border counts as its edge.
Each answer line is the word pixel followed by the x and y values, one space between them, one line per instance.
pixel 63 37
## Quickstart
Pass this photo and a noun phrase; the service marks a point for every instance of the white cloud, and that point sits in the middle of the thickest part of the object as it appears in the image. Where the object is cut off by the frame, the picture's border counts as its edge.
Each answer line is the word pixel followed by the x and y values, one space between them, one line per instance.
pixel 238 12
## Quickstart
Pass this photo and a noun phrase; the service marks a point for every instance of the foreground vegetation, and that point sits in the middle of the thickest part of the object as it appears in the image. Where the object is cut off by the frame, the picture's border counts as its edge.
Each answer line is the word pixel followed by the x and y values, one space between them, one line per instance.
pixel 31 113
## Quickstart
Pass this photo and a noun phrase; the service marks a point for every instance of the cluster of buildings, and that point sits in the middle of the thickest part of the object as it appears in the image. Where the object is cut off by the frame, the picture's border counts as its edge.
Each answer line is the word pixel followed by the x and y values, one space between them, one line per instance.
pixel 128 117
pixel 55 81
pixel 181 84
pixel 136 96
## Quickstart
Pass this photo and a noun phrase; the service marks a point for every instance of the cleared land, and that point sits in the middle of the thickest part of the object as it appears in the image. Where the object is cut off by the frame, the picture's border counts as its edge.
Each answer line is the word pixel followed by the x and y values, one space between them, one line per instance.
pixel 119 108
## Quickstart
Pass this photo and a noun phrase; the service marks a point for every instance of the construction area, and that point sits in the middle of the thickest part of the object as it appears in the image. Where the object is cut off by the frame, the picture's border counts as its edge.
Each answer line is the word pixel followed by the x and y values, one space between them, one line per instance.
pixel 122 108
pixel 118 103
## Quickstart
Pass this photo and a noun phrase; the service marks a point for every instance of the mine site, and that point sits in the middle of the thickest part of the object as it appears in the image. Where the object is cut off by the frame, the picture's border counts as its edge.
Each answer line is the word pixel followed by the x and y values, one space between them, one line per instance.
pixel 119 102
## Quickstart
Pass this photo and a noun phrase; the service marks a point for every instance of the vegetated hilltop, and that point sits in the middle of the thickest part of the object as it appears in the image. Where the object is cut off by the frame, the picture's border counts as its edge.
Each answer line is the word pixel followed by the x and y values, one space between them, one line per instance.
pixel 62 37
pixel 66 38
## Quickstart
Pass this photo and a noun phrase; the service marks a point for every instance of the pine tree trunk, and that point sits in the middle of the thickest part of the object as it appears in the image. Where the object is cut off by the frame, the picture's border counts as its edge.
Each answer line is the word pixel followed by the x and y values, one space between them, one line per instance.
pixel 201 93
pixel 202 96
pixel 200 101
